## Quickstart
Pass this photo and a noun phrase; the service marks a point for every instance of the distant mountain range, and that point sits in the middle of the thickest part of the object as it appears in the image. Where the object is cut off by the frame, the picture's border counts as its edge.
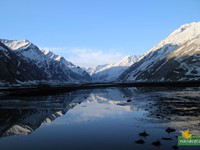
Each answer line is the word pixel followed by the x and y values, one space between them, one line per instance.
pixel 173 59
pixel 176 58
pixel 110 72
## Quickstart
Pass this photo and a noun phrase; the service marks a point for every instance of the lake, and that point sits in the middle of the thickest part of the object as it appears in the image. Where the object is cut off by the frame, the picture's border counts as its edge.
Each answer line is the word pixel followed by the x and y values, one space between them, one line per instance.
pixel 99 119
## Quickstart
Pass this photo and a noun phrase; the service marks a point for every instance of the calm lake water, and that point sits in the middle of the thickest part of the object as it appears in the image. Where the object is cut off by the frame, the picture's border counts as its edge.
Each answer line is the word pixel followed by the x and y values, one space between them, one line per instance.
pixel 99 119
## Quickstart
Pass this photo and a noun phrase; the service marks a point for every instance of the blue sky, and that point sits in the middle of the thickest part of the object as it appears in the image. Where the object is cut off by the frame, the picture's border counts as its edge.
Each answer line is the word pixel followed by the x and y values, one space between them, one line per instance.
pixel 91 32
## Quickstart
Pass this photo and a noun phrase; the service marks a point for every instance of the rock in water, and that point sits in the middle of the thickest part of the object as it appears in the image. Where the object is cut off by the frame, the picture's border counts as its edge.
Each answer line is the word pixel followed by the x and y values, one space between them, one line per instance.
pixel 140 141
pixel 143 134
pixel 169 130
pixel 156 143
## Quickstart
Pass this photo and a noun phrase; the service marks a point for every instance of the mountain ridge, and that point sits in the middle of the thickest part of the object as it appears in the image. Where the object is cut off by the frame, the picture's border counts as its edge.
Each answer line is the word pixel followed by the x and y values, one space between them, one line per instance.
pixel 173 59
pixel 54 70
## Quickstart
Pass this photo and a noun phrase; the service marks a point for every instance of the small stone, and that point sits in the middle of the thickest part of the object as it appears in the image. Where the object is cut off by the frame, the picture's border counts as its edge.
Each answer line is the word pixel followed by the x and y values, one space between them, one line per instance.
pixel 156 143
pixel 167 139
pixel 175 147
pixel 169 130
pixel 128 100
pixel 140 141
pixel 143 134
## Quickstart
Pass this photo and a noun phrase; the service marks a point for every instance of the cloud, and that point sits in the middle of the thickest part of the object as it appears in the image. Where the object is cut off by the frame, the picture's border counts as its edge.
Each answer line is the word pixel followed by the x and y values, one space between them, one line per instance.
pixel 86 57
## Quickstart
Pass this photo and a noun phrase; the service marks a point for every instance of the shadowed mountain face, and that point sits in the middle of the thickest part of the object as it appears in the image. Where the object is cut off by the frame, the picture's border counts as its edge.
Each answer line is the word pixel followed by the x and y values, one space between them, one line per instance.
pixel 15 67
pixel 173 59
pixel 23 62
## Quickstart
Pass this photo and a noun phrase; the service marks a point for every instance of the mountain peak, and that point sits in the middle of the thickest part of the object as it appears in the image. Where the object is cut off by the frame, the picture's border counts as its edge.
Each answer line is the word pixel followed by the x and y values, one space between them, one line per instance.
pixel 189 25
pixel 184 33
pixel 179 36
pixel 46 51
pixel 127 61
pixel 25 41
pixel 50 54
pixel 15 45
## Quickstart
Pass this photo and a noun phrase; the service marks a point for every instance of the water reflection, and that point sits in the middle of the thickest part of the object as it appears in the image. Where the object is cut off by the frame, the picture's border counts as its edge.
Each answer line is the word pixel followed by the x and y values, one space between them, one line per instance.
pixel 23 115
pixel 100 118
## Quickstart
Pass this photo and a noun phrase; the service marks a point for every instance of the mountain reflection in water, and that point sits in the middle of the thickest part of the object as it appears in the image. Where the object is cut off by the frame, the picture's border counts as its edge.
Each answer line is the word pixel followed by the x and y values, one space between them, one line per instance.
pixel 99 119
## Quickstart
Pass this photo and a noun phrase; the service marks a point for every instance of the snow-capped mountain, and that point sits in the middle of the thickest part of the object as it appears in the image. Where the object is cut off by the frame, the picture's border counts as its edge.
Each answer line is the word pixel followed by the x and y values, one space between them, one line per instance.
pixel 78 72
pixel 106 73
pixel 173 59
pixel 16 68
pixel 55 68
